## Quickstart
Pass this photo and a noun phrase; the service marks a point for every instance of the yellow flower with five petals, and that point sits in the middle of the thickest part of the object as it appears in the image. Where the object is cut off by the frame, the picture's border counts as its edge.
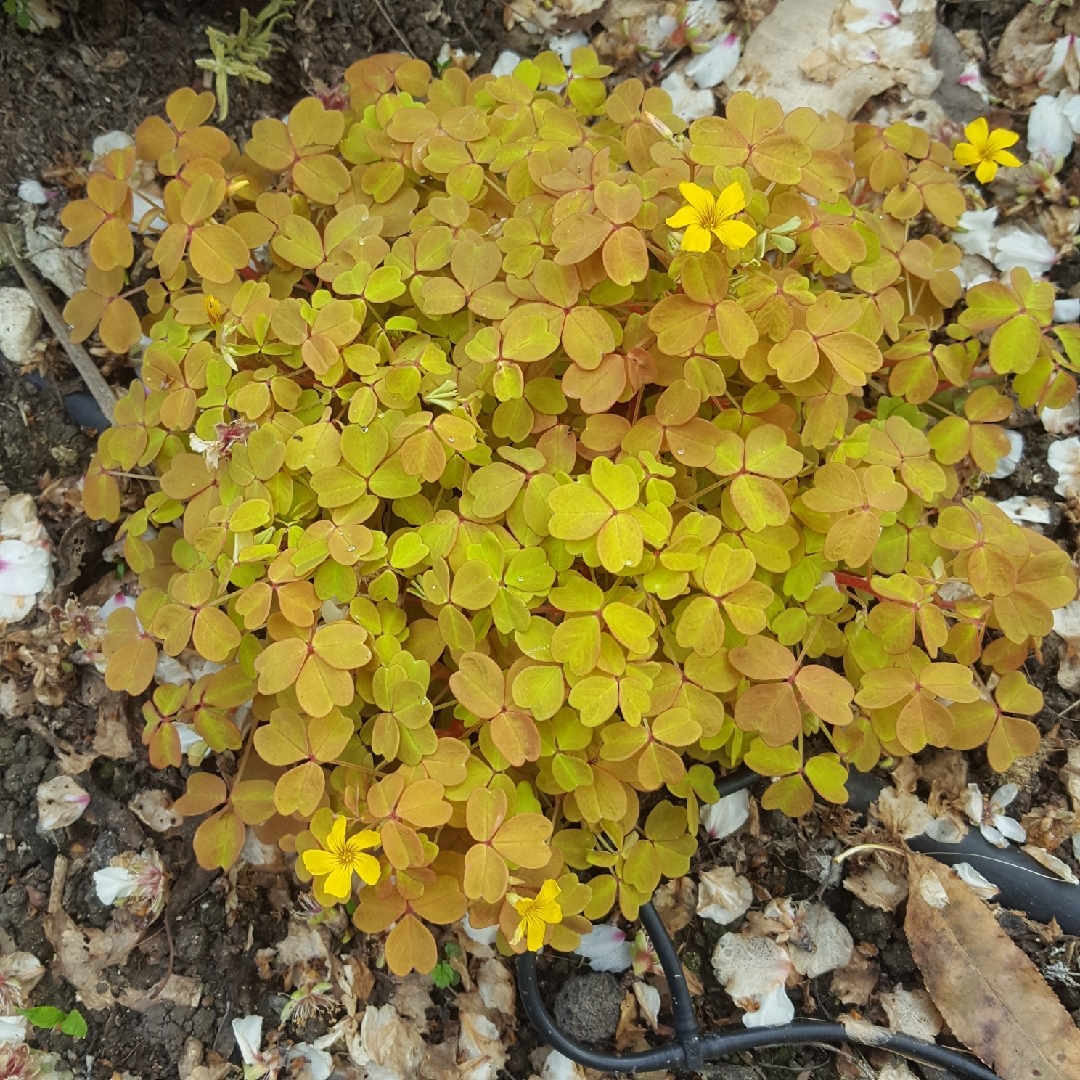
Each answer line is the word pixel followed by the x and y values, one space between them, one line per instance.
pixel 536 915
pixel 708 215
pixel 986 150
pixel 340 858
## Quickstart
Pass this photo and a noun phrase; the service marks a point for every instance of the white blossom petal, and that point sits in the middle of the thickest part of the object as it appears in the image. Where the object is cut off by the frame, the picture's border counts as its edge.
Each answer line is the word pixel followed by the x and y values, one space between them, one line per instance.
pixel 61 802
pixel 1063 456
pixel 505 63
pixel 31 191
pixel 975 881
pixel 319 1063
pixel 114 883
pixel 563 45
pixel 606 948
pixel 248 1033
pixel 485 935
pixel 1067 310
pixel 1017 246
pixel 712 67
pixel 687 102
pixel 977 230
pixel 1050 135
pixel 722 818
pixel 1025 510
pixel 1003 797
pixel 773 1009
pixel 24 568
pixel 1063 421
pixel 1006 466
pixel 13 1030
pixel 1010 828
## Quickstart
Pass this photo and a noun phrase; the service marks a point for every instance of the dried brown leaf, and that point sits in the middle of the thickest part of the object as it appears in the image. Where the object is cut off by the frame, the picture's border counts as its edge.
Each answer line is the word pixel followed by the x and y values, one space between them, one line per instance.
pixel 990 994
pixel 81 955
pixel 855 981
pixel 875 886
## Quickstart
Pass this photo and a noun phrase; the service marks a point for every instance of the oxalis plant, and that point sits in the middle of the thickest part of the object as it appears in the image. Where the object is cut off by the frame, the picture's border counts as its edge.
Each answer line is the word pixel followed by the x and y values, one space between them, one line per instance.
pixel 523 456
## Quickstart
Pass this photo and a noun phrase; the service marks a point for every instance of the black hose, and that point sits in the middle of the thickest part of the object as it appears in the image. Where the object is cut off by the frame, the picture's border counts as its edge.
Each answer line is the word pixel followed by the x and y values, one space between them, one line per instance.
pixel 1023 883
pixel 693 1049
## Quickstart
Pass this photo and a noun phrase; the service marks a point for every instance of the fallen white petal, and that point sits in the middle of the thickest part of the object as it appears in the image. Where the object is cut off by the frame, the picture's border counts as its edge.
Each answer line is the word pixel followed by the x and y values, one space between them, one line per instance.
pixel 606 948
pixel 648 999
pixel 1006 466
pixel 1067 621
pixel 31 191
pixel 1050 135
pixel 13 1030
pixel 486 935
pixel 975 881
pixel 505 63
pixel 1052 863
pixel 24 568
pixel 1063 421
pixel 722 818
pixel 111 140
pixel 559 1067
pixel 496 987
pixel 1067 311
pixel 1003 796
pixel 114 883
pixel 319 1063
pixel 1016 246
pixel 912 1012
pixel 1063 457
pixel 710 68
pixel 563 45
pixel 248 1033
pixel 773 1009
pixel 61 802
pixel 977 230
pixel 1025 510
pixel 687 102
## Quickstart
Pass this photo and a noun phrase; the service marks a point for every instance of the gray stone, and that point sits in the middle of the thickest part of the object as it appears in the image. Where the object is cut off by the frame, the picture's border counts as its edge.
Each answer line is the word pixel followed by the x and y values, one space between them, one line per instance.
pixel 587 1007
pixel 20 324
pixel 960 103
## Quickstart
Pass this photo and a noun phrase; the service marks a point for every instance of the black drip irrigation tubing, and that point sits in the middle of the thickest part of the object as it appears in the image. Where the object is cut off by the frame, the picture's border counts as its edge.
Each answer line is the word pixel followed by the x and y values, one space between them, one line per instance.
pixel 1022 883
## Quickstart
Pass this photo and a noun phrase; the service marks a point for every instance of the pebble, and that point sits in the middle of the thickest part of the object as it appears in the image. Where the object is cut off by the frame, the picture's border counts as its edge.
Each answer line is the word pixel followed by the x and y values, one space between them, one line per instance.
pixel 587 1007
pixel 20 325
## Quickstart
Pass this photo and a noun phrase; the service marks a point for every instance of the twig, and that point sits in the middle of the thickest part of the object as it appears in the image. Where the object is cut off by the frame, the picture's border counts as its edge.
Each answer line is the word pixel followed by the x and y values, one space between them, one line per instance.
pixel 95 381
pixel 56 890
pixel 400 36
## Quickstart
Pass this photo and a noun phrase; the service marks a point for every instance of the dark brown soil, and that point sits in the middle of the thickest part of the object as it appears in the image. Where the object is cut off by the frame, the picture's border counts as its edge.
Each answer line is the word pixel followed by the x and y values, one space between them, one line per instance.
pixel 113 62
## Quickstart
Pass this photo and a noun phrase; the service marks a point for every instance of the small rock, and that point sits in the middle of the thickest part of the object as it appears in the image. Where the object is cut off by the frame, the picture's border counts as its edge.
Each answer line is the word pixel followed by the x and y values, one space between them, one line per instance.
pixel 960 102
pixel 191 1056
pixel 587 1007
pixel 20 325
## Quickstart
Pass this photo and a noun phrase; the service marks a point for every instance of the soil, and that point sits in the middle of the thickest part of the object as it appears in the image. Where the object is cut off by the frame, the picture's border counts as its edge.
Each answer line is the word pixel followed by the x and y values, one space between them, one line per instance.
pixel 111 63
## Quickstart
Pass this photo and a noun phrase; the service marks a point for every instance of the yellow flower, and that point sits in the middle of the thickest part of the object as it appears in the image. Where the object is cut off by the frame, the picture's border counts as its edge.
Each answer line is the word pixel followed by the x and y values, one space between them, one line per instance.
pixel 215 310
pixel 341 858
pixel 536 914
pixel 985 149
pixel 707 216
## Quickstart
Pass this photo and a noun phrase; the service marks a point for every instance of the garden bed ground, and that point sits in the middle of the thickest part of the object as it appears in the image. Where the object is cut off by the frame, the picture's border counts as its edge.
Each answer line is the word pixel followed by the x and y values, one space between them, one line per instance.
pixel 110 64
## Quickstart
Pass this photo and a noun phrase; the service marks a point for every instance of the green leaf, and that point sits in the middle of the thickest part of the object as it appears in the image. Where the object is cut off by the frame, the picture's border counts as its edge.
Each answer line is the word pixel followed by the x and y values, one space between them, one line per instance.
pixel 45 1016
